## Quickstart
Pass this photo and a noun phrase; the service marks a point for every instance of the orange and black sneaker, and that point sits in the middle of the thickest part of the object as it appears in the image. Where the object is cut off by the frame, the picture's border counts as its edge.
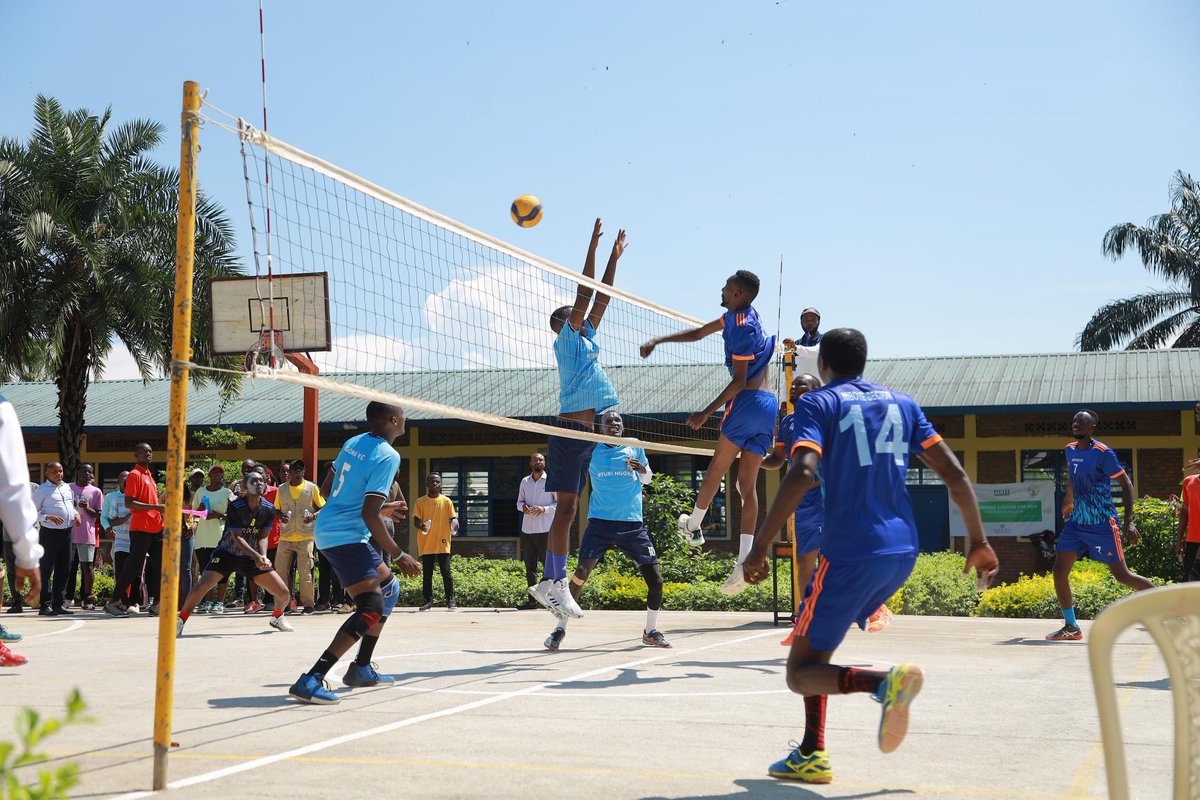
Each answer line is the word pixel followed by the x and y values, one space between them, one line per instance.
pixel 1067 633
pixel 10 659
pixel 880 619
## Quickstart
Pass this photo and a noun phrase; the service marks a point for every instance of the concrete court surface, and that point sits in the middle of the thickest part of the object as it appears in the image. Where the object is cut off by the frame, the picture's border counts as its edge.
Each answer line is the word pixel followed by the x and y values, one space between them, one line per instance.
pixel 482 710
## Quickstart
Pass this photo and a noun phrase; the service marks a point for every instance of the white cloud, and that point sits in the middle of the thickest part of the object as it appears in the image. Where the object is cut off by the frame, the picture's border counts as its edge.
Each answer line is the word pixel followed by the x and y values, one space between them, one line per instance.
pixel 366 352
pixel 120 366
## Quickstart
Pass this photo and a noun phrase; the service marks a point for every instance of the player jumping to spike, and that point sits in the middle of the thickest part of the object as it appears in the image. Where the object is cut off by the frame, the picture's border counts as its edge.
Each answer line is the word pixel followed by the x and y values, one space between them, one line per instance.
pixel 618 473
pixel 585 391
pixel 1092 519
pixel 750 412
pixel 356 487
pixel 243 549
pixel 861 434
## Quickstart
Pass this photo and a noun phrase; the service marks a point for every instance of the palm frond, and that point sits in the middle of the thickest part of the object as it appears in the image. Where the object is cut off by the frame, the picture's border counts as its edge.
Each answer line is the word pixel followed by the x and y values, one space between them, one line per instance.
pixel 1120 320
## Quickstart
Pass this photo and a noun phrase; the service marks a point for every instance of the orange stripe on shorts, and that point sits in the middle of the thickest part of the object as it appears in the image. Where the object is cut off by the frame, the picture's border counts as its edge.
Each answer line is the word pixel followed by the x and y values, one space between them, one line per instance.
pixel 810 602
pixel 1112 523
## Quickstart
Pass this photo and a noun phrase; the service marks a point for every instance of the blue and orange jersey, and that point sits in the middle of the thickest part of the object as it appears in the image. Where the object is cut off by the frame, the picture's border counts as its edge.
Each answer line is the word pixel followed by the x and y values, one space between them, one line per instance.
pixel 745 341
pixel 813 504
pixel 1091 470
pixel 864 433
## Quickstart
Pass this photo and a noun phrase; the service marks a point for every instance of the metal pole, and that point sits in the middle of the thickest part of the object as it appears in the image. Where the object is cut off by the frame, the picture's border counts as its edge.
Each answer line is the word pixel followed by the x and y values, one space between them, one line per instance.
pixel 181 353
pixel 789 368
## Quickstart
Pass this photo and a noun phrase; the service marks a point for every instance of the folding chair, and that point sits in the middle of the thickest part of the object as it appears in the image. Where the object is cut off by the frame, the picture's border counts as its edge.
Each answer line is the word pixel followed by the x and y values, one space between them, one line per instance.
pixel 1172 616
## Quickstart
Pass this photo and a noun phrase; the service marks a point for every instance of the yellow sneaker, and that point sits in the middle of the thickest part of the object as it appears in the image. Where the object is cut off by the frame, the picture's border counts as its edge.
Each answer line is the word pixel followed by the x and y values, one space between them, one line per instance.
pixel 902 684
pixel 812 768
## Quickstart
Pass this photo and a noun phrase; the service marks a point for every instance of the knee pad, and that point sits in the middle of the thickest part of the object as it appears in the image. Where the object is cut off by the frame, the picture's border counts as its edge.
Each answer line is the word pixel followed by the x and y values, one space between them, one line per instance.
pixel 370 605
pixel 391 596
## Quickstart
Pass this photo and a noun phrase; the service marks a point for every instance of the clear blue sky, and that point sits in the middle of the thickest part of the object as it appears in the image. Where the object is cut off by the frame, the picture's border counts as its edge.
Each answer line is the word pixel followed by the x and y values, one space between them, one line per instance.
pixel 939 175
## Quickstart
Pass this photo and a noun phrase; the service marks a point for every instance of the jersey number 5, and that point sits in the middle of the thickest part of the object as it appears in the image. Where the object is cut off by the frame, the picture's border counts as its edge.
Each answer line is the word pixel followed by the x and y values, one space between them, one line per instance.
pixel 341 479
pixel 891 438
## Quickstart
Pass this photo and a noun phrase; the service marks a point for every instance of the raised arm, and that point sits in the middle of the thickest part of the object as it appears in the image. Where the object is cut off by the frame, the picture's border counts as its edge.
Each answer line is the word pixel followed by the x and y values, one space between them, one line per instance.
pixel 610 272
pixel 689 335
pixel 583 292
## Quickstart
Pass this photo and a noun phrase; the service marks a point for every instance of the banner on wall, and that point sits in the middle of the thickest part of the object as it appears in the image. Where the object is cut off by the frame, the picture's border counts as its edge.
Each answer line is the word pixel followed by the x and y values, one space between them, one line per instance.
pixel 1010 509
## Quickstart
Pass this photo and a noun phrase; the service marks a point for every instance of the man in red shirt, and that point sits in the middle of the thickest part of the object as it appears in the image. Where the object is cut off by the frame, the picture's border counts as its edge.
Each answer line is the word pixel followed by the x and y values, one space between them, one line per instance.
pixel 1189 525
pixel 145 533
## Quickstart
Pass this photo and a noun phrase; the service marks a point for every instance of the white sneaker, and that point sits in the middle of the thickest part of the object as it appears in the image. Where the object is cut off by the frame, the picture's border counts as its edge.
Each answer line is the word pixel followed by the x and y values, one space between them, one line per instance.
pixel 541 593
pixel 695 538
pixel 281 624
pixel 178 628
pixel 133 610
pixel 736 582
pixel 561 602
pixel 217 608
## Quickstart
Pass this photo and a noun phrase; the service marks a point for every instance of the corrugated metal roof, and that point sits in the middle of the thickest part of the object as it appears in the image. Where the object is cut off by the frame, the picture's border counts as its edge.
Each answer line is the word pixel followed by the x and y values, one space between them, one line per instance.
pixel 1154 378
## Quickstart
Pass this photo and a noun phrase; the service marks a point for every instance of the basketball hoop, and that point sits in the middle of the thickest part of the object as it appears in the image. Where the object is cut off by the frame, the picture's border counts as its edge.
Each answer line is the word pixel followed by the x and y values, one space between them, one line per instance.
pixel 268 352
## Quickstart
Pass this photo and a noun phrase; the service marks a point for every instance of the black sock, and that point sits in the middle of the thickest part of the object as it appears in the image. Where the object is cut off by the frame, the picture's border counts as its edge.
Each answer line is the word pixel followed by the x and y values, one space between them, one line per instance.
pixel 856 679
pixel 366 648
pixel 814 724
pixel 324 664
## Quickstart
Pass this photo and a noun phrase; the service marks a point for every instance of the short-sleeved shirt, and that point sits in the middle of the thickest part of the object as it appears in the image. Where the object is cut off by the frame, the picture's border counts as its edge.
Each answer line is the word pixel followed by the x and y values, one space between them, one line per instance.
pixel 438 511
pixel 745 341
pixel 616 489
pixel 583 383
pixel 209 531
pixel 271 495
pixel 1091 470
pixel 84 531
pixel 140 485
pixel 864 433
pixel 1190 494
pixel 366 465
pixel 251 524
pixel 812 507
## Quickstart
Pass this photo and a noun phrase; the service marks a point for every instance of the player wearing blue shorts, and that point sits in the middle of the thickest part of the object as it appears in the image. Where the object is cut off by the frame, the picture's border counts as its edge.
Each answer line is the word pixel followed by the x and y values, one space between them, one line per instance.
pixel 860 434
pixel 1091 526
pixel 618 473
pixel 750 412
pixel 355 489
pixel 584 391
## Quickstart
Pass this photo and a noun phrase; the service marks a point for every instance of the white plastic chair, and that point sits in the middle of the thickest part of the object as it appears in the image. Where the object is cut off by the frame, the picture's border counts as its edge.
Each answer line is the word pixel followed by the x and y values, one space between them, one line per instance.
pixel 1172 616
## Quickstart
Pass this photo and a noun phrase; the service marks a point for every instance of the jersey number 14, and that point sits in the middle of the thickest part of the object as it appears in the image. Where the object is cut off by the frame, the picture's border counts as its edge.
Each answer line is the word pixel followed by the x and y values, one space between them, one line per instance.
pixel 891 438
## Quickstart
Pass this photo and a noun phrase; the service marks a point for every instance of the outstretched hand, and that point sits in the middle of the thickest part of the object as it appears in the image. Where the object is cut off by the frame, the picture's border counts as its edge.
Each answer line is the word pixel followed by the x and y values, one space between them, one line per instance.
pixel 983 558
pixel 648 348
pixel 618 245
pixel 596 232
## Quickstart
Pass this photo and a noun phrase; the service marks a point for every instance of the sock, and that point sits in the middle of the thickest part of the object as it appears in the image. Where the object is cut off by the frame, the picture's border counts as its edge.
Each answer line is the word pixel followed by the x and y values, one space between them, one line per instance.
pixel 696 520
pixel 183 615
pixel 814 724
pixel 324 664
pixel 555 567
pixel 745 543
pixel 561 626
pixel 366 650
pixel 278 612
pixel 855 679
pixel 651 619
pixel 1069 616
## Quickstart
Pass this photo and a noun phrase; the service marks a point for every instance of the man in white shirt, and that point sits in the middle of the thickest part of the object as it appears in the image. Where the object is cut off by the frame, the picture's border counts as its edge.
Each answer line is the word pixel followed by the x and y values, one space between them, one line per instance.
pixel 537 513
pixel 56 511
pixel 18 514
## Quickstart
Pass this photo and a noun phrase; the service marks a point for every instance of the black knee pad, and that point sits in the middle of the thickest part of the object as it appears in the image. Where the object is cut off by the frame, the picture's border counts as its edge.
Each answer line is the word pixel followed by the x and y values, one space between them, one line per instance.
pixel 654 586
pixel 368 610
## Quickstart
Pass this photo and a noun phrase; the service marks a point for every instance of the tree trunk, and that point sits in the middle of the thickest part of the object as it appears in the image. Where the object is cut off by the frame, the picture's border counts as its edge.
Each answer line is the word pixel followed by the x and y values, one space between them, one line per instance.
pixel 73 378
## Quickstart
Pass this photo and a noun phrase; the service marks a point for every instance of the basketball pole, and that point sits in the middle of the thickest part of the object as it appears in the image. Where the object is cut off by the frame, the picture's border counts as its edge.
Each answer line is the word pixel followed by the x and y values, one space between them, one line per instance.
pixel 789 367
pixel 181 353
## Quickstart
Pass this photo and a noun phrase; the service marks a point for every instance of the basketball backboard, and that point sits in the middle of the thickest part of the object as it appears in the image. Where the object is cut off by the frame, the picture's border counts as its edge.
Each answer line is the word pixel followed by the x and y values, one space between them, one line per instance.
pixel 241 309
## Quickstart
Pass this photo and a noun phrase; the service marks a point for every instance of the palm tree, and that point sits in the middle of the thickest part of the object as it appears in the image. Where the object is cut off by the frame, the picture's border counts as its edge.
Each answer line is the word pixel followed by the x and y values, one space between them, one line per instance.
pixel 87 256
pixel 1169 246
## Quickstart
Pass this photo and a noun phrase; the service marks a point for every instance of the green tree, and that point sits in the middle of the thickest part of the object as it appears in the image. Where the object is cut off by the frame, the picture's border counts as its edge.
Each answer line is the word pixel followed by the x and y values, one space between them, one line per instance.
pixel 87 256
pixel 1169 247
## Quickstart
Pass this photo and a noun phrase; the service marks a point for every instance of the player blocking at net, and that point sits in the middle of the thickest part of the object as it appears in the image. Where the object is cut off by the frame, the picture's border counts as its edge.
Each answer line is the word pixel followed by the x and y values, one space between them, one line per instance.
pixel 861 435
pixel 748 427
pixel 356 487
pixel 584 392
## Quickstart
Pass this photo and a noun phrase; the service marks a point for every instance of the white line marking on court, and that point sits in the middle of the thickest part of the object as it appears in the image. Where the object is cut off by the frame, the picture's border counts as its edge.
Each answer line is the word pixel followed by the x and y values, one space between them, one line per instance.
pixel 605 696
pixel 74 626
pixel 404 723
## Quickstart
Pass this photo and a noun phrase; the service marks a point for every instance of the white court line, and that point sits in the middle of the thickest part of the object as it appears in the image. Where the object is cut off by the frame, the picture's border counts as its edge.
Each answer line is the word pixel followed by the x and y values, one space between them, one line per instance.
pixel 74 626
pixel 607 694
pixel 404 723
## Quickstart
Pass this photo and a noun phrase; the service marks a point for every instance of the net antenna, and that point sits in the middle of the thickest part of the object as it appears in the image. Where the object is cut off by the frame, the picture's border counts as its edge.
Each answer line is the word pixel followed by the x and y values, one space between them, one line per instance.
pixel 425 312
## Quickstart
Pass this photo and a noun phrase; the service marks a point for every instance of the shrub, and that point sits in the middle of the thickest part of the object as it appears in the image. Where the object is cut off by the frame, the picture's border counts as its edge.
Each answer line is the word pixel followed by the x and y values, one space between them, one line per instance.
pixel 1154 556
pixel 1092 586
pixel 937 587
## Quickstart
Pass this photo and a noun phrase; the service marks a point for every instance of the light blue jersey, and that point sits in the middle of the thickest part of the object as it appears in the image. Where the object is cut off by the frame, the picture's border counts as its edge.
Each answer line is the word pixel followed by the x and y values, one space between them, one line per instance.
pixel 366 465
pixel 583 382
pixel 616 489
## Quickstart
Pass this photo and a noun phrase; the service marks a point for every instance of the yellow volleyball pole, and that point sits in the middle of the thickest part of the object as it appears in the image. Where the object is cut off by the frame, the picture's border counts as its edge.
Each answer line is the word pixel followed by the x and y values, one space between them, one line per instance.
pixel 789 367
pixel 181 353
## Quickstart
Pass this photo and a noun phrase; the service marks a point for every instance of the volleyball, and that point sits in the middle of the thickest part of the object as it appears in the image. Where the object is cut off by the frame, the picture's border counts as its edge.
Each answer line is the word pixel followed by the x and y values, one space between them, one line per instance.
pixel 527 211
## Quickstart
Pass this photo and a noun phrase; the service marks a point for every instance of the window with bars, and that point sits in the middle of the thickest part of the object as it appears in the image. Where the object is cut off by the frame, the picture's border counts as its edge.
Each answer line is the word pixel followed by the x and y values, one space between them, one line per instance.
pixel 484 491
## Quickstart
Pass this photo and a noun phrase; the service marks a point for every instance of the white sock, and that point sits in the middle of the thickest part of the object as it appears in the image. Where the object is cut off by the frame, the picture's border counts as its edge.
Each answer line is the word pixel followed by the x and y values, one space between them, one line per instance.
pixel 651 619
pixel 745 543
pixel 696 520
pixel 561 626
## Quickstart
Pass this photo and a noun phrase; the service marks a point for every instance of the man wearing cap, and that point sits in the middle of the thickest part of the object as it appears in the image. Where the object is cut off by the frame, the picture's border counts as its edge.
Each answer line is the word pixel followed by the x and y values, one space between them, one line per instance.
pixel 810 321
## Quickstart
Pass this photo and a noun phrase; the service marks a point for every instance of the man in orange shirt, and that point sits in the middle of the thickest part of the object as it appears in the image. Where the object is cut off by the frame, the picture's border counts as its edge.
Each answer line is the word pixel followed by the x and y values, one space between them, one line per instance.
pixel 1189 524
pixel 145 533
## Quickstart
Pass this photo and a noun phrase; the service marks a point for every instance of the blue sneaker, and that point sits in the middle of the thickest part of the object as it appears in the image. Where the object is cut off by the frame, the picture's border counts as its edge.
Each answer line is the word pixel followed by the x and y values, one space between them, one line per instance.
pixel 8 636
pixel 313 689
pixel 365 676
pixel 811 768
